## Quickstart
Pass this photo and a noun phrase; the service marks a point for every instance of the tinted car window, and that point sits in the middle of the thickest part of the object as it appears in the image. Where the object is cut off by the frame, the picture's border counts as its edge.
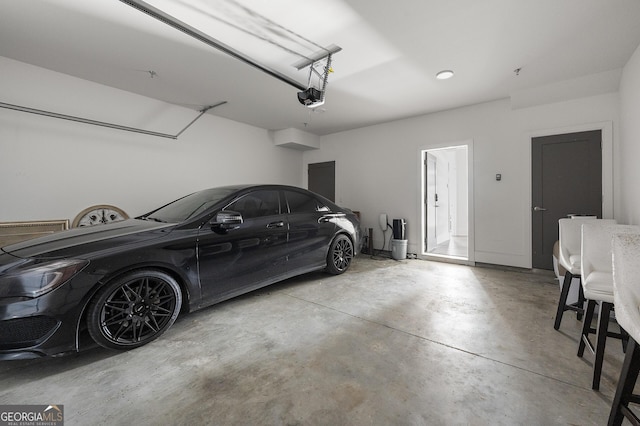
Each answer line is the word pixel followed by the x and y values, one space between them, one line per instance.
pixel 256 204
pixel 303 203
pixel 189 206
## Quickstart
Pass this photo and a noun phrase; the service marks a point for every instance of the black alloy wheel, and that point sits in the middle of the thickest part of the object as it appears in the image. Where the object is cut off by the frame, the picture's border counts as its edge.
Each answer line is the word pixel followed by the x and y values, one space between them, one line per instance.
pixel 340 255
pixel 134 310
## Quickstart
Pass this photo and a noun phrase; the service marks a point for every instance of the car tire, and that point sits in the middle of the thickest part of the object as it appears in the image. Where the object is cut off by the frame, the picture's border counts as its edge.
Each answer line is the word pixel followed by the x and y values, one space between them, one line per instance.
pixel 340 255
pixel 134 309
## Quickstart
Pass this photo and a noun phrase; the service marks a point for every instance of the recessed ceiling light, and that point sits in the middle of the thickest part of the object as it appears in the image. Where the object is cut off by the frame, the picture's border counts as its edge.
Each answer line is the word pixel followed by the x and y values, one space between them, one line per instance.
pixel 443 75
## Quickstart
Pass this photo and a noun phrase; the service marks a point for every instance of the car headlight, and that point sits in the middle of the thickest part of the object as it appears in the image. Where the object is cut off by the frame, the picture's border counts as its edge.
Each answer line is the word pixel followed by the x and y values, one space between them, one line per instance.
pixel 35 279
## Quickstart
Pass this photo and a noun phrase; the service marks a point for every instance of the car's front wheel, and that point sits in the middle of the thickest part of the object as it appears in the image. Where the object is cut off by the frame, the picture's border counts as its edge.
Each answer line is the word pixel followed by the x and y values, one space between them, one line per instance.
pixel 340 255
pixel 133 310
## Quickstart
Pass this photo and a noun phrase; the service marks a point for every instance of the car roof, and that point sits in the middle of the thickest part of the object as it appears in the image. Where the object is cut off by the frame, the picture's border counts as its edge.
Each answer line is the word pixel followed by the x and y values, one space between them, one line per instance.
pixel 245 187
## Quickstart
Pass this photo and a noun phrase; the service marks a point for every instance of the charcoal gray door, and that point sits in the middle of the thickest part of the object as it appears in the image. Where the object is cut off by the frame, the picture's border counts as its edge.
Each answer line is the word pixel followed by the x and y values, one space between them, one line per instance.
pixel 322 179
pixel 566 173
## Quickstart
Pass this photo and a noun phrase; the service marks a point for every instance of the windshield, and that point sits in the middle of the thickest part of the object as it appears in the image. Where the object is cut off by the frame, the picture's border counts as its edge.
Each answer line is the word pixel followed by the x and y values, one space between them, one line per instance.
pixel 189 206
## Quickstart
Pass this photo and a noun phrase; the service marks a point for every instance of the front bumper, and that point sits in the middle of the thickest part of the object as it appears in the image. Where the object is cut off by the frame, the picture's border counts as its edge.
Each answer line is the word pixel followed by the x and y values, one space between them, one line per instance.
pixel 29 330
pixel 44 326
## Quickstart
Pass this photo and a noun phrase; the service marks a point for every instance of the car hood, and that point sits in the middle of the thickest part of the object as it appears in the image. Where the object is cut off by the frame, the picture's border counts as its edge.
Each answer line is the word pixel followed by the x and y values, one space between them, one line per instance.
pixel 85 241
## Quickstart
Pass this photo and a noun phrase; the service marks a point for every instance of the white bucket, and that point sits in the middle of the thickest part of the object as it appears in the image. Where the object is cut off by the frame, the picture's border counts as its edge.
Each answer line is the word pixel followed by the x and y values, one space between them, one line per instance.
pixel 398 249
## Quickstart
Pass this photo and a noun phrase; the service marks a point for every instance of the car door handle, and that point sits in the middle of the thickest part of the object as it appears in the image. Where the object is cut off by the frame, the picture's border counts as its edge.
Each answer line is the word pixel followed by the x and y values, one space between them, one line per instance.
pixel 539 209
pixel 279 224
pixel 324 219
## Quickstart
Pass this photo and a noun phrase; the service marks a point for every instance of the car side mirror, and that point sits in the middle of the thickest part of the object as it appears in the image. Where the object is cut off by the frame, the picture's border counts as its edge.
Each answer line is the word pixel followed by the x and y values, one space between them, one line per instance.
pixel 226 220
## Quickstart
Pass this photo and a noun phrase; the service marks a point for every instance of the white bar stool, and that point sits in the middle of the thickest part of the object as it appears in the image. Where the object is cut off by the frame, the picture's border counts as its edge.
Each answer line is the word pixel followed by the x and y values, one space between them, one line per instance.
pixel 597 286
pixel 626 296
pixel 569 245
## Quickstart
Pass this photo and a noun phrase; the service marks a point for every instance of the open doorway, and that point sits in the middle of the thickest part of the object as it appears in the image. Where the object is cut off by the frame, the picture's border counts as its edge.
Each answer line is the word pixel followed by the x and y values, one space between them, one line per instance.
pixel 446 202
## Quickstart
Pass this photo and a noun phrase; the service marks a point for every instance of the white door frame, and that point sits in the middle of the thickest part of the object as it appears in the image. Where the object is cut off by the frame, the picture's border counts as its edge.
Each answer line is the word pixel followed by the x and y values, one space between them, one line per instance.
pixel 422 213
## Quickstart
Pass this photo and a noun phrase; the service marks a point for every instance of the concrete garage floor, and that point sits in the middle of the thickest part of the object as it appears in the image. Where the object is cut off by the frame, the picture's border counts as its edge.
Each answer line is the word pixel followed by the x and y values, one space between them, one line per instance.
pixel 388 343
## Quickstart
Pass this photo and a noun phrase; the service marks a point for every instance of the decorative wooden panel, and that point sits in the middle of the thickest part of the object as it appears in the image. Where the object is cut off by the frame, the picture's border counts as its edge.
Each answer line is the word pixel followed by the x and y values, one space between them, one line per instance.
pixel 14 232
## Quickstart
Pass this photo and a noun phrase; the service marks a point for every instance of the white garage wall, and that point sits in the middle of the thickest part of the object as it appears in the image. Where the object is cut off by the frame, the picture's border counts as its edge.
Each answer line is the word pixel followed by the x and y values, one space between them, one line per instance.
pixel 53 169
pixel 378 168
pixel 630 140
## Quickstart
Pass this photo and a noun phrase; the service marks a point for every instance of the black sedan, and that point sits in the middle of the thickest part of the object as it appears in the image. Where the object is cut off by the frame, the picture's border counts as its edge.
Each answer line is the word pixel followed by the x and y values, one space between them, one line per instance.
pixel 123 284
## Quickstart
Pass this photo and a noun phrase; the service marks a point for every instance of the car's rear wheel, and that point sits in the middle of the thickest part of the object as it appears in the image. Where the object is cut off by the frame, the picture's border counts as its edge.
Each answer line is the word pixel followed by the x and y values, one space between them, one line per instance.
pixel 133 310
pixel 340 255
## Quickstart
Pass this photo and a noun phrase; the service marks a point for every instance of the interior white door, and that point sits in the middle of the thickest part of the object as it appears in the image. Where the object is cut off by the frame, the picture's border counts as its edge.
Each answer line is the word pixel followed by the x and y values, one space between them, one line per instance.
pixel 430 202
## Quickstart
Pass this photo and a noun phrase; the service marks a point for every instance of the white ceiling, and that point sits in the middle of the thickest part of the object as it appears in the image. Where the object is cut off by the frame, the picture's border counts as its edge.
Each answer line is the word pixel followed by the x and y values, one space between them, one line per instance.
pixel 386 70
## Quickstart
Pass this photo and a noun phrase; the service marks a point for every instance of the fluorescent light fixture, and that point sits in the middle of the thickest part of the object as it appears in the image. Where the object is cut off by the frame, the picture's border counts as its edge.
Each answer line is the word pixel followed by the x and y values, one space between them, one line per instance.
pixel 443 75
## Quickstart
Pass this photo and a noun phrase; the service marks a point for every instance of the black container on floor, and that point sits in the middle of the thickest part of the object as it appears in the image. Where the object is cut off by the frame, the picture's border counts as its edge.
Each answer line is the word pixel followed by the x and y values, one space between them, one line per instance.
pixel 399 226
